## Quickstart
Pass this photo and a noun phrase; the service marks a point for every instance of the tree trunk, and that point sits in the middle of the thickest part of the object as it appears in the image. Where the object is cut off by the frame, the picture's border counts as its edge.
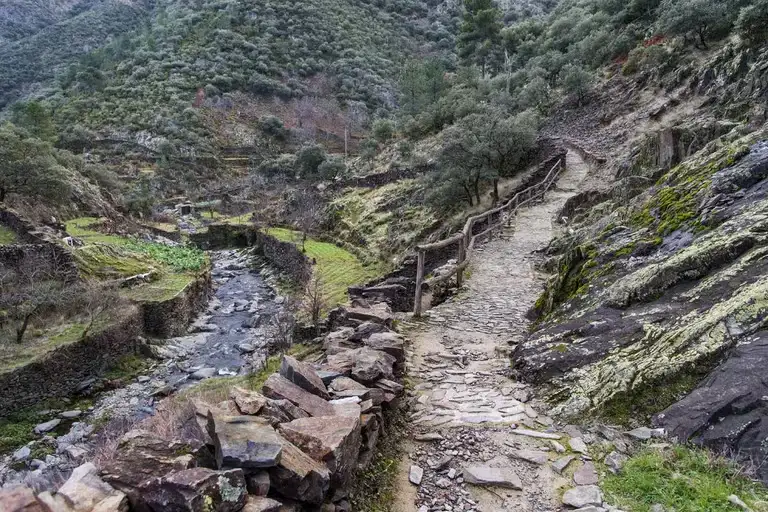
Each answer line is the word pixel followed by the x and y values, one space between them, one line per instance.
pixel 23 328
pixel 477 189
pixel 701 38
pixel 2 194
pixel 469 195
pixel 495 191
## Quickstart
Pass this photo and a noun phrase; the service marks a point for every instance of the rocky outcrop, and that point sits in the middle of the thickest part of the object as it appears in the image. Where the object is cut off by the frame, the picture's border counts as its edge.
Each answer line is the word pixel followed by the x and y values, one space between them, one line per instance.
pixel 661 303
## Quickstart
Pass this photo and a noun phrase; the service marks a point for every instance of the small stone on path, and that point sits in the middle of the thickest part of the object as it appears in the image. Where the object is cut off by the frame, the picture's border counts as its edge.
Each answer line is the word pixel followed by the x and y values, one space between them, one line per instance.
pixel 533 456
pixel 415 475
pixel 585 475
pixel 615 461
pixel 22 453
pixel 578 445
pixel 203 373
pixel 558 447
pixel 499 477
pixel 428 437
pixel 583 496
pixel 560 464
pixel 641 433
pixel 535 433
pixel 42 428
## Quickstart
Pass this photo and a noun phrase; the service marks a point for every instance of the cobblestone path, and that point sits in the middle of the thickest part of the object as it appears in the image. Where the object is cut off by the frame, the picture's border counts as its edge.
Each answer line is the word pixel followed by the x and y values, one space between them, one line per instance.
pixel 477 441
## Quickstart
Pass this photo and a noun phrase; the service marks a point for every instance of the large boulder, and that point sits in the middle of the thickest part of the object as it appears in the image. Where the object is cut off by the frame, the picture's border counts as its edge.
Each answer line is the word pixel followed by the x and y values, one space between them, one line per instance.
pixel 303 376
pixel 141 456
pixel 280 388
pixel 389 342
pixel 365 365
pixel 85 489
pixel 245 442
pixel 334 440
pixel 299 477
pixel 341 384
pixel 378 313
pixel 197 490
pixel 20 499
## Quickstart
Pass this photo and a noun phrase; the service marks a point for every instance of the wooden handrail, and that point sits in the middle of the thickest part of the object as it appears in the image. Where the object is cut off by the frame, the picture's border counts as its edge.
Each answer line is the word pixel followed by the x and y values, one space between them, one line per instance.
pixel 465 239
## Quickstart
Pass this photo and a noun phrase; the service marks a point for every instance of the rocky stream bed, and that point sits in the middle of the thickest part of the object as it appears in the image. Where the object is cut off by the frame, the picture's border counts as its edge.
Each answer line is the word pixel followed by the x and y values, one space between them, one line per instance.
pixel 230 337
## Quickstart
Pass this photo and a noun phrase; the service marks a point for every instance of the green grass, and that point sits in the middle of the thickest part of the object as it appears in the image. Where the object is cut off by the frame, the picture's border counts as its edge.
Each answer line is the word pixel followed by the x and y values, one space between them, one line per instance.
pixel 80 228
pixel 165 288
pixel 681 479
pixel 337 268
pixel 7 237
pixel 128 367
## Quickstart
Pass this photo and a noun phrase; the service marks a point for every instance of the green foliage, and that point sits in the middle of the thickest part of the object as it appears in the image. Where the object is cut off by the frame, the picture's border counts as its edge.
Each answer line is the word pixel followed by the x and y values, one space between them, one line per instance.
pixel 7 236
pixel 274 127
pixel 179 258
pixel 481 148
pixel 682 479
pixel 480 36
pixel 576 81
pixel 331 168
pixel 698 20
pixel 422 83
pixel 383 130
pixel 34 117
pixel 285 165
pixel 368 148
pixel 308 160
pixel 31 167
pixel 752 23
pixel 644 59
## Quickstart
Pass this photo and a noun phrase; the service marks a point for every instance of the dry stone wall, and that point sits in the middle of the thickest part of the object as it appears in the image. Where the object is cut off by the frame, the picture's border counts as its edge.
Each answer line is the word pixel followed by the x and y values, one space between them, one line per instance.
pixel 60 372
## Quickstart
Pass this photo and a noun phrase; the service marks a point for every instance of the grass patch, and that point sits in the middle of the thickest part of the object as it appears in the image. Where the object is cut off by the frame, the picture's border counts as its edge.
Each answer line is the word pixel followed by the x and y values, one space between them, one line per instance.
pixel 374 489
pixel 337 268
pixel 14 355
pixel 682 479
pixel 7 237
pixel 128 367
pixel 165 288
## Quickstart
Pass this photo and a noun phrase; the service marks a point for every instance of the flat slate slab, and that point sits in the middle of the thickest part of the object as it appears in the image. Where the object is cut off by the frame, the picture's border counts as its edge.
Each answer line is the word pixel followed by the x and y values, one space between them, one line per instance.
pixel 497 477
pixel 583 496
pixel 532 456
pixel 535 433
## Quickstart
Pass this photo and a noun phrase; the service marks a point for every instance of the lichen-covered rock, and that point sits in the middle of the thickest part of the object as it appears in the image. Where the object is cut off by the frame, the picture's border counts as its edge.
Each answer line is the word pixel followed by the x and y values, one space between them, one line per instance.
pixel 141 456
pixel 197 490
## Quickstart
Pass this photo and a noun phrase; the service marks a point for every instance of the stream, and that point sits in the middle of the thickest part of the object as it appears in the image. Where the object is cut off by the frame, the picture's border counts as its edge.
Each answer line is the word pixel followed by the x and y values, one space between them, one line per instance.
pixel 230 337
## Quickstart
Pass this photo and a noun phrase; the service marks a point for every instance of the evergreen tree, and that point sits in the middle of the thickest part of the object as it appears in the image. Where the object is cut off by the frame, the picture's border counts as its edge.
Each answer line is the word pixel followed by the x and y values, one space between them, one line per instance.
pixel 480 39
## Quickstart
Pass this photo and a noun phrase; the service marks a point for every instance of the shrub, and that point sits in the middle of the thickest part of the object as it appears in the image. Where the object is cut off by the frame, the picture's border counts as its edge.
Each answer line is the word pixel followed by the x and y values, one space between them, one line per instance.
pixel 332 168
pixel 368 148
pixel 308 160
pixel 752 24
pixel 383 130
pixel 273 126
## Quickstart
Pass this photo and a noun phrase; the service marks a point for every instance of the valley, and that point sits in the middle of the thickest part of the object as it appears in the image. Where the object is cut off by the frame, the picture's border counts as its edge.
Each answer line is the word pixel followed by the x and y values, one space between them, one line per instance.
pixel 392 255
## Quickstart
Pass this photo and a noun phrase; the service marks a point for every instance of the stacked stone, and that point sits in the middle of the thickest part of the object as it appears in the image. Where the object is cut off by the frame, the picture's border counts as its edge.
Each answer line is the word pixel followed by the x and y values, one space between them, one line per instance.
pixel 296 445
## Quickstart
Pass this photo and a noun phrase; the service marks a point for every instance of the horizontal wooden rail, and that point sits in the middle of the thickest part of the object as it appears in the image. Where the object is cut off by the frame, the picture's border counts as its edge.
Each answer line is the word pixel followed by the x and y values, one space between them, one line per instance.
pixel 466 240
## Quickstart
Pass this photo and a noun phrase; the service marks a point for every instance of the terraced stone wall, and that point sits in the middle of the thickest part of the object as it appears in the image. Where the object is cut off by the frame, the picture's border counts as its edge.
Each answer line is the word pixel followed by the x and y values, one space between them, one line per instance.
pixel 171 317
pixel 59 373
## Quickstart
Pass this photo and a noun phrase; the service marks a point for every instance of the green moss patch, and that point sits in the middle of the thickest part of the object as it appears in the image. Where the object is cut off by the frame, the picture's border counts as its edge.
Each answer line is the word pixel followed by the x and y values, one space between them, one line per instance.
pixel 7 237
pixel 163 289
pixel 682 479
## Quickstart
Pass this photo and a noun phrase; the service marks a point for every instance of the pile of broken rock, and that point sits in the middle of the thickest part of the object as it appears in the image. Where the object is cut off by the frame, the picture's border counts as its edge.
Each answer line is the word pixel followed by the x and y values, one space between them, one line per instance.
pixel 295 446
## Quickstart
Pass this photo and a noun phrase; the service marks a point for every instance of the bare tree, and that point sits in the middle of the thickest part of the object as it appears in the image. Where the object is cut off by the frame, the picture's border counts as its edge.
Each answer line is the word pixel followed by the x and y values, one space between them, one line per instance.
pixel 308 214
pixel 314 301
pixel 29 290
pixel 281 327
pixel 97 300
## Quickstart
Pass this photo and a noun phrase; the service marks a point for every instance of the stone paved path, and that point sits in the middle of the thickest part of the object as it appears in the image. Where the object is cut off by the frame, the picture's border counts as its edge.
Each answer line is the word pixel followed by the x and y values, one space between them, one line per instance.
pixel 458 362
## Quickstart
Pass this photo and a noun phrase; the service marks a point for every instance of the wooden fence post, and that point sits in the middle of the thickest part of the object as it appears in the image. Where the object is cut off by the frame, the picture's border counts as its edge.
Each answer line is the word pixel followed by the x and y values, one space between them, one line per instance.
pixel 419 283
pixel 459 260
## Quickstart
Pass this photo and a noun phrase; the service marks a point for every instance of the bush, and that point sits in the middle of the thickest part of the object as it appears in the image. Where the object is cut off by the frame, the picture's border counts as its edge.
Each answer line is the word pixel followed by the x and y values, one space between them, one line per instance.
pixel 405 148
pixel 576 81
pixel 274 127
pixel 752 24
pixel 332 168
pixel 368 148
pixel 643 59
pixel 308 160
pixel 383 130
pixel 283 165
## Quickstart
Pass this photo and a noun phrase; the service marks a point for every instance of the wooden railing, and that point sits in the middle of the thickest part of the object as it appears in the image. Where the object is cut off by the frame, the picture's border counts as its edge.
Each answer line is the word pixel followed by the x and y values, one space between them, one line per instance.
pixel 466 240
